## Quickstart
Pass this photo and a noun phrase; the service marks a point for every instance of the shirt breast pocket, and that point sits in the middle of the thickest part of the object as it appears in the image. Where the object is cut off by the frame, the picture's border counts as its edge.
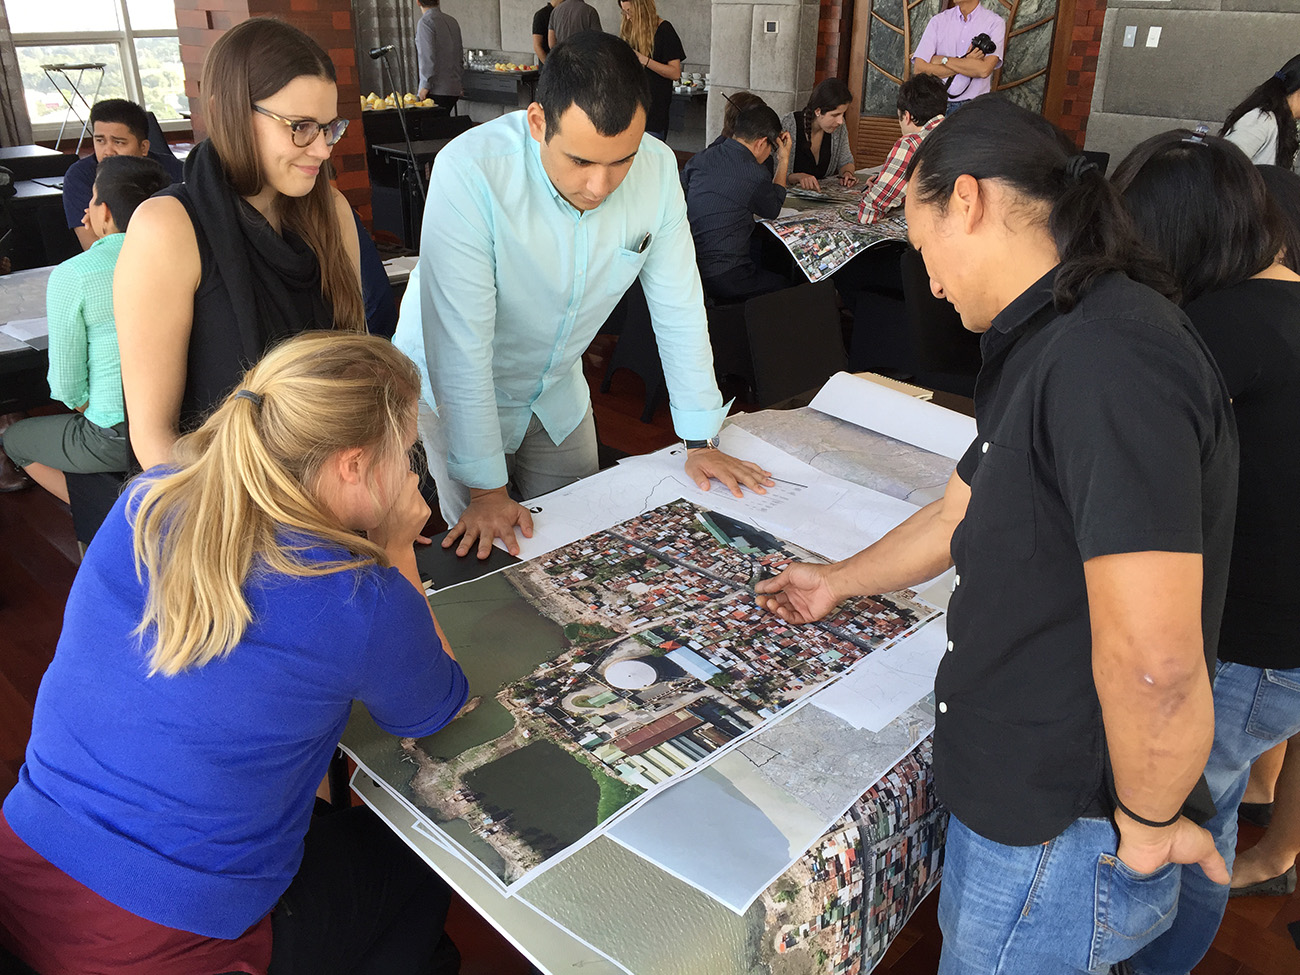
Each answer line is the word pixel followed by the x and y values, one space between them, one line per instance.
pixel 623 270
pixel 1000 516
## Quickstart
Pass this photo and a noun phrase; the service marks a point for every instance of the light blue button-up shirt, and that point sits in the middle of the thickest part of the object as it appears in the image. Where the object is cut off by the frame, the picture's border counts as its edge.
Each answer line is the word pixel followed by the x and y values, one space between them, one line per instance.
pixel 513 283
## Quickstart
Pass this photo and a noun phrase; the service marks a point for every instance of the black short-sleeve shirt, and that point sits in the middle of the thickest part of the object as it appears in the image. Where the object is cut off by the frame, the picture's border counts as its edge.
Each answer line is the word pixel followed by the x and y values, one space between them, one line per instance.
pixel 668 47
pixel 542 24
pixel 1253 330
pixel 1101 431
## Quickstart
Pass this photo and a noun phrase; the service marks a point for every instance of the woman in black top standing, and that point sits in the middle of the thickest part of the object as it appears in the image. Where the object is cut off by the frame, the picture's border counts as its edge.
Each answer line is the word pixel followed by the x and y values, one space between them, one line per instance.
pixel 255 246
pixel 1202 206
pixel 661 53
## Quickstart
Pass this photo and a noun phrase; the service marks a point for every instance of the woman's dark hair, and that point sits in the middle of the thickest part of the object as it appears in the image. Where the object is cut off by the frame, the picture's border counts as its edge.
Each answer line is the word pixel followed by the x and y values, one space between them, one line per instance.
pixel 122 183
pixel 600 74
pixel 826 97
pixel 737 103
pixel 1270 97
pixel 1201 206
pixel 993 139
pixel 1283 187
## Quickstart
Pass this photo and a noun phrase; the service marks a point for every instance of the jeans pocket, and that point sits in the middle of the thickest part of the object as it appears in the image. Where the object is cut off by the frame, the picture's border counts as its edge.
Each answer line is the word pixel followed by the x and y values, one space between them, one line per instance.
pixel 1275 712
pixel 1132 909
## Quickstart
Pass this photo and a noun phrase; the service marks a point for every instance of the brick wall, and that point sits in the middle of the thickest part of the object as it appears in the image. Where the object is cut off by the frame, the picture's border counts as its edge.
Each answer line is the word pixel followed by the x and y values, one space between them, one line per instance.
pixel 1080 68
pixel 834 39
pixel 329 22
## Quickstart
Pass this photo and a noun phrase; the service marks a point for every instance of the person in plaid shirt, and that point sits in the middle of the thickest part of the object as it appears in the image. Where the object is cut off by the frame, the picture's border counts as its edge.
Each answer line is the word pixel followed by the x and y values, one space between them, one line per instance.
pixel 922 100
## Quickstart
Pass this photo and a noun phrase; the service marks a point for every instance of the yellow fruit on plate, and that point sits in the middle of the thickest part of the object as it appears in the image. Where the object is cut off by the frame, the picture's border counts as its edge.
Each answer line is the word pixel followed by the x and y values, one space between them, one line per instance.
pixel 427 103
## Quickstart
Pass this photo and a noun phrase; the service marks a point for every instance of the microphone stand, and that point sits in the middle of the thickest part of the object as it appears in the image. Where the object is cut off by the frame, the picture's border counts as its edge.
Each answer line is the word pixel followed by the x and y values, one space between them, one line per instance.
pixel 414 165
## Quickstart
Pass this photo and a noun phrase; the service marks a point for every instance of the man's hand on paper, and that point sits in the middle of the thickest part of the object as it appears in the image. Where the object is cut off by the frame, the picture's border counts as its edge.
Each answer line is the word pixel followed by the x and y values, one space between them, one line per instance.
pixel 491 514
pixel 704 463
pixel 802 593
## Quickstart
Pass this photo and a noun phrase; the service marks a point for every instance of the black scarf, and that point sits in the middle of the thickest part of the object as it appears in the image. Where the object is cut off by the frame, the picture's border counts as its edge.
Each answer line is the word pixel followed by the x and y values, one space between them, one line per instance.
pixel 273 280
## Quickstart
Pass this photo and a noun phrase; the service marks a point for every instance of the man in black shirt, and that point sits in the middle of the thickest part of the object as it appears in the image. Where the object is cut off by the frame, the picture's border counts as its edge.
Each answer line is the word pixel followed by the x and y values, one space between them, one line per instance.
pixel 725 186
pixel 1090 524
pixel 541 31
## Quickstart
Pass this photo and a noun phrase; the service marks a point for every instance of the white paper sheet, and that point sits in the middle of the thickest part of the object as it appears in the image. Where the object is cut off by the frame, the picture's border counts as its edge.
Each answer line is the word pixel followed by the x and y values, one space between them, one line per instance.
pixel 889 681
pixel 896 415
pixel 25 329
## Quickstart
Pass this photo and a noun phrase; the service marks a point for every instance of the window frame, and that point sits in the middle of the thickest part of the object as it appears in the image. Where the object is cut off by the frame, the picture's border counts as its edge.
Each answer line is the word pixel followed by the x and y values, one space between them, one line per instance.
pixel 123 39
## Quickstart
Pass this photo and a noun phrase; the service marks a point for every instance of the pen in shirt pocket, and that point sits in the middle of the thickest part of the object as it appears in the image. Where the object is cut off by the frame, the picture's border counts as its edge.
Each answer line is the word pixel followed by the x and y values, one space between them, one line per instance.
pixel 645 242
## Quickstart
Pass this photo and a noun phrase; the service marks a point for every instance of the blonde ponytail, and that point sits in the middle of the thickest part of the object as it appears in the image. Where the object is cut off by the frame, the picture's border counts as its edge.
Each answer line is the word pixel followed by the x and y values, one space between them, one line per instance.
pixel 243 494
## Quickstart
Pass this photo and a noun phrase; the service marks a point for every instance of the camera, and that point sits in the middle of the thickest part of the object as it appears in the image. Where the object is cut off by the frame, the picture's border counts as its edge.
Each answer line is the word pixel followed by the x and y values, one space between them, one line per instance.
pixel 984 44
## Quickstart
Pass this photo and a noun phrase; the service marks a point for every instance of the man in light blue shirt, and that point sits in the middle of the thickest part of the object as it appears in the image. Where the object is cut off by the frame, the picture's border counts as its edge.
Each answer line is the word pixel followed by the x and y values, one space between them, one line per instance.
pixel 536 225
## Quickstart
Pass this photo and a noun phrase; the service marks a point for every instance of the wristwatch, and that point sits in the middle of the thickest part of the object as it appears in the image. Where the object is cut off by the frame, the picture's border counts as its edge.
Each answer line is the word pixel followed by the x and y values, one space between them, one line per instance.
pixel 711 444
pixel 945 59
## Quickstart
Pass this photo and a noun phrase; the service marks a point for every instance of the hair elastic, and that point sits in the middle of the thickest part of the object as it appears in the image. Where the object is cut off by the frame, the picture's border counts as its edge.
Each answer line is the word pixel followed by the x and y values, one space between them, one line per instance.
pixel 1279 74
pixel 1199 135
pixel 1076 167
pixel 248 394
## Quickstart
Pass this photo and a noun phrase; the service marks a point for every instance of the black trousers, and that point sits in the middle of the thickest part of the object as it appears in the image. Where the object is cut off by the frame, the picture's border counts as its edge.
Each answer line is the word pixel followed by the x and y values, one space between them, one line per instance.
pixel 362 903
pixel 746 281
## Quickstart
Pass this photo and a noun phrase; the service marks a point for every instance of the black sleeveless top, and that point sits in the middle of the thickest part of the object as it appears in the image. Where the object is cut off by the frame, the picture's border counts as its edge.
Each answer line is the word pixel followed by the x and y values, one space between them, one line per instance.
pixel 256 287
pixel 803 161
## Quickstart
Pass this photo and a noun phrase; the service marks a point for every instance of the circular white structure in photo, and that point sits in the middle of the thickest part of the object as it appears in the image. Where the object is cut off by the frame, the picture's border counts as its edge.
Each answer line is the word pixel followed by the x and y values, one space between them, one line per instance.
pixel 631 675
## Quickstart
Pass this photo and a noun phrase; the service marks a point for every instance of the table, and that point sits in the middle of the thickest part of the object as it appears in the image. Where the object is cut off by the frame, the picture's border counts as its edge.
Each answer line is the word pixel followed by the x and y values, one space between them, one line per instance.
pixel 514 89
pixel 64 71
pixel 659 925
pixel 35 162
pixel 24 359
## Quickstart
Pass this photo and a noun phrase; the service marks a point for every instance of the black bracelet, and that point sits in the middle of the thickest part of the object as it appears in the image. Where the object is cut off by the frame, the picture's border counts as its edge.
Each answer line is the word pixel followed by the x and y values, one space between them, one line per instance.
pixel 1146 822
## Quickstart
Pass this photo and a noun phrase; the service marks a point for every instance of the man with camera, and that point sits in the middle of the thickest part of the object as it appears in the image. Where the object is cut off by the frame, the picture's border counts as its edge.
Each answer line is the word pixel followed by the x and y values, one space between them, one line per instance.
pixel 961 46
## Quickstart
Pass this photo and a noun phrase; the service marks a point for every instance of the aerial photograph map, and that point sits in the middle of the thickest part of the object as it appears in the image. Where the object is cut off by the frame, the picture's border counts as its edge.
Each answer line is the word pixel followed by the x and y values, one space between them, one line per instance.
pixel 607 667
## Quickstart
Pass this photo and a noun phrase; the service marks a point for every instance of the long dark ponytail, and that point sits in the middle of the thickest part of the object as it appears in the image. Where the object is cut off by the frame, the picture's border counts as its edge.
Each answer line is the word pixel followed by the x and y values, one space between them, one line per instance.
pixel 993 139
pixel 1270 97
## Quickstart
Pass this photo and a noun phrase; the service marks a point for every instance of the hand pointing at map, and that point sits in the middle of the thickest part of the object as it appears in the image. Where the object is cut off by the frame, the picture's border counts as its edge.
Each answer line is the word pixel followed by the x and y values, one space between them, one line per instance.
pixel 804 592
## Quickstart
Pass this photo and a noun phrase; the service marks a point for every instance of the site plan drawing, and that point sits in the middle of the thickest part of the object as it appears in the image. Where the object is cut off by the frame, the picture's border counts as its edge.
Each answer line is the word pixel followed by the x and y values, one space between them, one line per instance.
pixel 607 667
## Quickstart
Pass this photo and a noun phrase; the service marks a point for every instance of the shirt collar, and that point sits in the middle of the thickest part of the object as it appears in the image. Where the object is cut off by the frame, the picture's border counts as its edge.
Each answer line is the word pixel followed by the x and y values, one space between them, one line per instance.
pixel 929 126
pixel 1030 302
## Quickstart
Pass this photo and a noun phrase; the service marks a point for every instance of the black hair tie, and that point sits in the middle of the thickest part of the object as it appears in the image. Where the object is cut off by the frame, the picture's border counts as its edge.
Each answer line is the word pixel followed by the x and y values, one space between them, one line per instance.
pixel 248 394
pixel 1076 167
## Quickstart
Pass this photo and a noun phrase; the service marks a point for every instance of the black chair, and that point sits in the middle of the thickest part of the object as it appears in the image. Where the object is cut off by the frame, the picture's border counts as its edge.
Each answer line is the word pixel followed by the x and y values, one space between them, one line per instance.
pixel 638 351
pixel 161 151
pixel 947 355
pixel 794 340
pixel 91 497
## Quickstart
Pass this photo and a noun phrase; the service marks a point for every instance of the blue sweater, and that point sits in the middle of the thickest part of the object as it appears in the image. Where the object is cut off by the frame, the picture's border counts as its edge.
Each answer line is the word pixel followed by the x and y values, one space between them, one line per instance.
pixel 185 799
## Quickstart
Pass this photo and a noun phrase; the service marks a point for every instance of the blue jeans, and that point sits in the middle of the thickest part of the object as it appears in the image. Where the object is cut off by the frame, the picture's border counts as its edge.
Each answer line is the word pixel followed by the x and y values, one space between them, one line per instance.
pixel 1254 710
pixel 1066 906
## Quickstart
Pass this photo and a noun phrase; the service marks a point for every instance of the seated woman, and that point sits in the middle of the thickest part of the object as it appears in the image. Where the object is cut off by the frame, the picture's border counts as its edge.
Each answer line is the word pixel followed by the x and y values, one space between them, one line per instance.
pixel 819 137
pixel 1263 126
pixel 256 244
pixel 228 612
pixel 85 372
pixel 1201 205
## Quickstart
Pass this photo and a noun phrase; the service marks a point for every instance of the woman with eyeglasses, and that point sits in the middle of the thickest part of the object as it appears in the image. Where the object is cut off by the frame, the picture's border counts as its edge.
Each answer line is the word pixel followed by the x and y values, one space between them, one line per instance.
pixel 253 247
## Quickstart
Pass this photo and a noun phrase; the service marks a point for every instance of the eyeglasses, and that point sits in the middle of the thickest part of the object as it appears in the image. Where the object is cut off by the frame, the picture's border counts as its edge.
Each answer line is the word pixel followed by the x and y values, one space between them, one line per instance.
pixel 305 131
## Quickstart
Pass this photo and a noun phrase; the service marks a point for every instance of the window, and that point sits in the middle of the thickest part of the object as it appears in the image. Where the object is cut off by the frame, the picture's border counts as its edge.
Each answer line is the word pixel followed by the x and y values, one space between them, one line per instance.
pixel 135 40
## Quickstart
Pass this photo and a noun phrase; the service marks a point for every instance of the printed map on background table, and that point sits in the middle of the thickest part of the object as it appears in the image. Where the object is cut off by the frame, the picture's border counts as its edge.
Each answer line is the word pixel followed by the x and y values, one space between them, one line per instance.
pixel 824 239
pixel 606 668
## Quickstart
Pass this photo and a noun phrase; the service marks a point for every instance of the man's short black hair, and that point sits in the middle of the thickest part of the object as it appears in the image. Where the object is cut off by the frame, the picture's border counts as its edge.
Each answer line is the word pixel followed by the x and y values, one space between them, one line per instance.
pixel 922 96
pixel 122 112
pixel 600 74
pixel 124 182
pixel 758 122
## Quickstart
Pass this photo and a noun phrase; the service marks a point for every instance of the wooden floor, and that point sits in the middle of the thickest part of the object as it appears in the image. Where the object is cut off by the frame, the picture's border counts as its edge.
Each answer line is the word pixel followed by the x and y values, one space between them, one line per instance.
pixel 38 557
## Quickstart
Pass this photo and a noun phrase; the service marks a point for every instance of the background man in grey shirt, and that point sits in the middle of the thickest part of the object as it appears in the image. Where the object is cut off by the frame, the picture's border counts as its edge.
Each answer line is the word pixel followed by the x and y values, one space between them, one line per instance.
pixel 572 17
pixel 440 55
